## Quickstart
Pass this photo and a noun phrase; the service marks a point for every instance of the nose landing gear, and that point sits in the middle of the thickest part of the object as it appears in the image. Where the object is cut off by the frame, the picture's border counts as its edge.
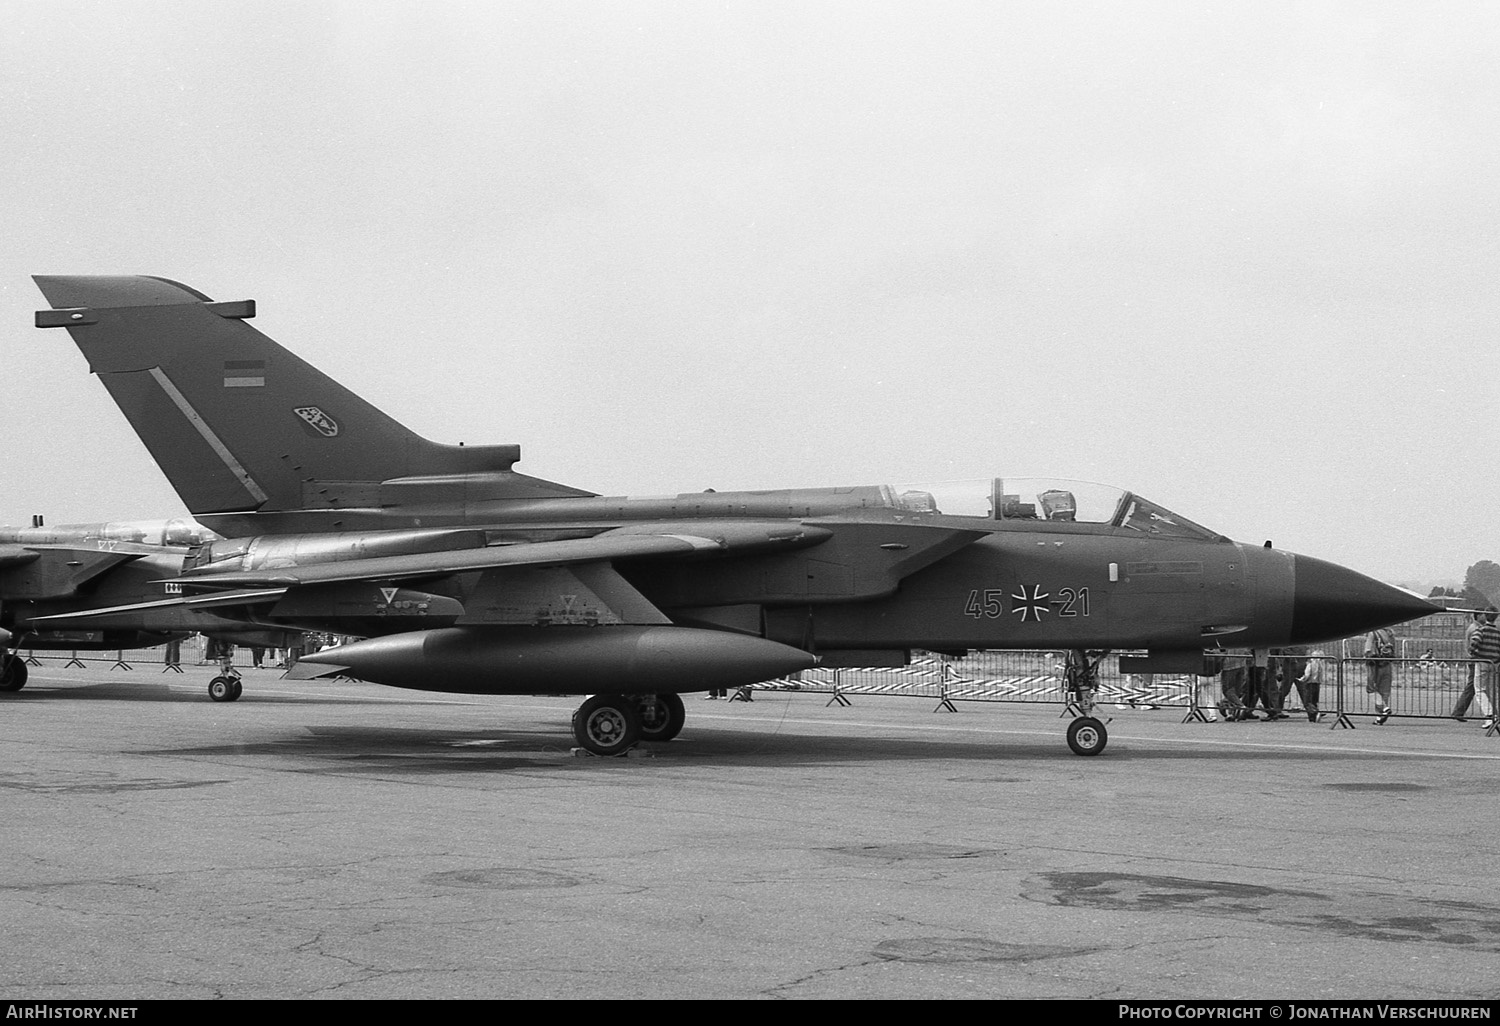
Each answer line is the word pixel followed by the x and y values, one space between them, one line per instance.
pixel 1086 734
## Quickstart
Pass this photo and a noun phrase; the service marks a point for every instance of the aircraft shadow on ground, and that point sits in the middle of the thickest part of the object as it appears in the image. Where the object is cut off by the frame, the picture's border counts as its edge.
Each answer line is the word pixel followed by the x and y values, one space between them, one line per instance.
pixel 497 749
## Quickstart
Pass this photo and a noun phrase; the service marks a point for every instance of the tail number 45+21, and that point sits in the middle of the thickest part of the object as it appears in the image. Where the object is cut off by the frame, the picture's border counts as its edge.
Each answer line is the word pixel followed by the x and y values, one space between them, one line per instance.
pixel 1028 602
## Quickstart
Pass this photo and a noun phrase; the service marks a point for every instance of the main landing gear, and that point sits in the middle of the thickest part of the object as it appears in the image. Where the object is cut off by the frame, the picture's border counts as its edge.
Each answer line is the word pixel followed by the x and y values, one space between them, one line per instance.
pixel 225 688
pixel 12 671
pixel 662 716
pixel 1086 734
pixel 614 724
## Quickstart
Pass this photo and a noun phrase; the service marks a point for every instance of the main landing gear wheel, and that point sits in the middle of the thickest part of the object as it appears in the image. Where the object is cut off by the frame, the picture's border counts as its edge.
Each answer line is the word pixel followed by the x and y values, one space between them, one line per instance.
pixel 225 689
pixel 1087 736
pixel 12 672
pixel 662 716
pixel 608 724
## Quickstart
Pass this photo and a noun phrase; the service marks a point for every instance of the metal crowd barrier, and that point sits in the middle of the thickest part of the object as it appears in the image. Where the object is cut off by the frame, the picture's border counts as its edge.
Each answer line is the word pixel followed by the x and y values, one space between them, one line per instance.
pixel 1000 676
pixel 190 651
pixel 1423 687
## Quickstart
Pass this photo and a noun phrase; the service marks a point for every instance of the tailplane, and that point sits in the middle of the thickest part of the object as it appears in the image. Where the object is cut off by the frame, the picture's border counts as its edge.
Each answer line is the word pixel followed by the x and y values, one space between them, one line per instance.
pixel 241 425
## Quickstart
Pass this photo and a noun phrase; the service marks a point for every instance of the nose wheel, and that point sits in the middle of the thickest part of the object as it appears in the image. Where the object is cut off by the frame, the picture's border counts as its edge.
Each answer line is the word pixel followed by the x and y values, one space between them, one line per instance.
pixel 1087 736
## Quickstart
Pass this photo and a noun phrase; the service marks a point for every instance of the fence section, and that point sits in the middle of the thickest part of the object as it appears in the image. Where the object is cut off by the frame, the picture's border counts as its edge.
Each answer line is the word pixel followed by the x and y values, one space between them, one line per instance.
pixel 1422 687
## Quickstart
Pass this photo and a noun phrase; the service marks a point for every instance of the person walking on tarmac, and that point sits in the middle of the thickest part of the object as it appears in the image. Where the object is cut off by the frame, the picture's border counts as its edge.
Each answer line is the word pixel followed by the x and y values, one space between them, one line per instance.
pixel 1484 646
pixel 1380 654
pixel 1232 682
pixel 1287 667
pixel 1461 707
pixel 1310 684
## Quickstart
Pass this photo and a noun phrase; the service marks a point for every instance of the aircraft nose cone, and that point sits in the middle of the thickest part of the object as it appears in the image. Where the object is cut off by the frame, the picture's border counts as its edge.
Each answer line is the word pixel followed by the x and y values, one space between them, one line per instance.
pixel 1330 601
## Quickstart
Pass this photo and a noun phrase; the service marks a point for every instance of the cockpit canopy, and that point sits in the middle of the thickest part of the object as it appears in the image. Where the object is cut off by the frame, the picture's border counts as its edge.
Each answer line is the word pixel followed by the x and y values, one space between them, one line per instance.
pixel 1049 500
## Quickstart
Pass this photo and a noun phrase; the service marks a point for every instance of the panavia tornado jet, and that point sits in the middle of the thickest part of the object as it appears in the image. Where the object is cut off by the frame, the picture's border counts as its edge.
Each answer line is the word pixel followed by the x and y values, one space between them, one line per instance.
pixel 53 574
pixel 463 575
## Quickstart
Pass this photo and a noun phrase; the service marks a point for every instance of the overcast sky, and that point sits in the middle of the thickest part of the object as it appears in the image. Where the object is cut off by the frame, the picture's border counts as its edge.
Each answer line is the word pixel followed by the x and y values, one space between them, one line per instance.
pixel 1239 258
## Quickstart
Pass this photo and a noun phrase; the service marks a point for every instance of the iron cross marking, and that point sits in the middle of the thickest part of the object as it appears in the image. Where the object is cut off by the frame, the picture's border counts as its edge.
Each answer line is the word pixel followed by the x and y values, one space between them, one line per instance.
pixel 1032 606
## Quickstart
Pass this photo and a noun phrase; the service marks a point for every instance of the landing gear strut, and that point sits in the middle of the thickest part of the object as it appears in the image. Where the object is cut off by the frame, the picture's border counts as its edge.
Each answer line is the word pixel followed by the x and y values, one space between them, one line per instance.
pixel 1086 734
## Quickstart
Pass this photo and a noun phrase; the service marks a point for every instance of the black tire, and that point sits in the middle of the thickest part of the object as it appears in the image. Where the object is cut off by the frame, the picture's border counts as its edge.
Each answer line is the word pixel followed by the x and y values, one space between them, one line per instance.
pixel 1087 736
pixel 662 716
pixel 221 689
pixel 12 673
pixel 608 724
pixel 236 691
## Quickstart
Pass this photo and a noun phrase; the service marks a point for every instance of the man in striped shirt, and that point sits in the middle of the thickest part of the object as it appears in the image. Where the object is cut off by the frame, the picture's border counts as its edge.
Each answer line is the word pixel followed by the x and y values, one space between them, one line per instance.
pixel 1485 646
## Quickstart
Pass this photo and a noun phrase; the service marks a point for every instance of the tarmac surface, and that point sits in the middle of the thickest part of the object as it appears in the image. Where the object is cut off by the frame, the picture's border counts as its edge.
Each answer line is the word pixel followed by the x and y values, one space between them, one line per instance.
pixel 345 840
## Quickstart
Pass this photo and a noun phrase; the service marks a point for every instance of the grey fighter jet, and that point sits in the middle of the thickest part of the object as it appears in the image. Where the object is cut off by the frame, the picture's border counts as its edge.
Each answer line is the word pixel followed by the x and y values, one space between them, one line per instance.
pixel 466 576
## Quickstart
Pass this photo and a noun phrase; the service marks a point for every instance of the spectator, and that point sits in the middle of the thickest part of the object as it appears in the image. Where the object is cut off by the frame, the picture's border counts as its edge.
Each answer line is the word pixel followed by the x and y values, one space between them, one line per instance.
pixel 1310 684
pixel 1485 647
pixel 1466 696
pixel 1380 654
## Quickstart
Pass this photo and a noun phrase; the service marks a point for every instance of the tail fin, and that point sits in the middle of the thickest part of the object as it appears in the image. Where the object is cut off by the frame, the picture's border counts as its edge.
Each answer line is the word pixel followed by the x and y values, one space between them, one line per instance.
pixel 239 424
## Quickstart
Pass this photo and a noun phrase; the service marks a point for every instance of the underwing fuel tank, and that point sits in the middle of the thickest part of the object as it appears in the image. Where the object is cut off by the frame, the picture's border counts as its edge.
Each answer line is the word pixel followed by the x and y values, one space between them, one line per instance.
pixel 560 660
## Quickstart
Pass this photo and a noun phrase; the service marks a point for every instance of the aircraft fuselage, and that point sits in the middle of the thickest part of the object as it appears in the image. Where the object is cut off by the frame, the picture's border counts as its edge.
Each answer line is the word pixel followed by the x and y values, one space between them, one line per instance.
pixel 869 581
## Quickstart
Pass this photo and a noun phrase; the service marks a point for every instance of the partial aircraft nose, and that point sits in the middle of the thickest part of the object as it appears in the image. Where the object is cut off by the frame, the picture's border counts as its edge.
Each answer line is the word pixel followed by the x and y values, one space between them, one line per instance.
pixel 1330 601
